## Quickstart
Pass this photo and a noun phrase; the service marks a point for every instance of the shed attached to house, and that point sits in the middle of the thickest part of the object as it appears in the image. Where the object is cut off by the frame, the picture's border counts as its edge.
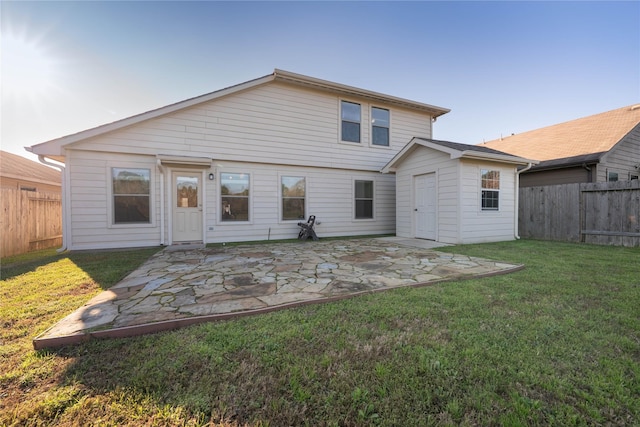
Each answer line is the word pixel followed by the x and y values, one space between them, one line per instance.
pixel 455 193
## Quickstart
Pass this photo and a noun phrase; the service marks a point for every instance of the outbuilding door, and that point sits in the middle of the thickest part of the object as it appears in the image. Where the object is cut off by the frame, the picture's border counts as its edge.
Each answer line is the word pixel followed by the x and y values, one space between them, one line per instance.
pixel 425 209
pixel 187 207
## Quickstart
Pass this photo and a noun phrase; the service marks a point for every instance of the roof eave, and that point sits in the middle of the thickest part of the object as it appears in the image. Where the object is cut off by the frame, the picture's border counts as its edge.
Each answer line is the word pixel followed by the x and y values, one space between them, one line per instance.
pixel 400 155
pixel 303 80
pixel 477 155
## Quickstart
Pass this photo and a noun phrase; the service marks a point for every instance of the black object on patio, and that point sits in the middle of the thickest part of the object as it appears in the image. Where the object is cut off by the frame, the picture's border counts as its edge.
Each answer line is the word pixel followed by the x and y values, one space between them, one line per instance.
pixel 306 229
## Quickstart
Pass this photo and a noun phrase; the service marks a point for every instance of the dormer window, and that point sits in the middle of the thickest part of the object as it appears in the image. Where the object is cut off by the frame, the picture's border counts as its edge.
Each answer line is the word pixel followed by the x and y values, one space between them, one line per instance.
pixel 350 114
pixel 380 126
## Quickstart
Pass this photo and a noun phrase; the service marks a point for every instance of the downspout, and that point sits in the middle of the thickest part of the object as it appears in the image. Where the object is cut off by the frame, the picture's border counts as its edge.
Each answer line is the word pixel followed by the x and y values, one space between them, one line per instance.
pixel 161 168
pixel 517 198
pixel 65 202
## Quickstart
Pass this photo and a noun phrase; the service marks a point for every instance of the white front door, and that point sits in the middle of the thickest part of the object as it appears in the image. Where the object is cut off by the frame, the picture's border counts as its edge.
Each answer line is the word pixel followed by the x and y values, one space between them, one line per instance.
pixel 425 209
pixel 187 207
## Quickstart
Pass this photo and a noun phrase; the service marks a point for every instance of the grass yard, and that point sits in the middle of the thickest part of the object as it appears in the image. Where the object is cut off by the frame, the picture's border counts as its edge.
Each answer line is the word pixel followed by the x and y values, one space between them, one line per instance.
pixel 555 344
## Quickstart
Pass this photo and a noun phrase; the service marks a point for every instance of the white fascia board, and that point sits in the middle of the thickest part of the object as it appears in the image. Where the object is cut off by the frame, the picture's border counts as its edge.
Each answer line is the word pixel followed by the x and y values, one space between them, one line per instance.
pixel 326 85
pixel 400 155
pixel 478 155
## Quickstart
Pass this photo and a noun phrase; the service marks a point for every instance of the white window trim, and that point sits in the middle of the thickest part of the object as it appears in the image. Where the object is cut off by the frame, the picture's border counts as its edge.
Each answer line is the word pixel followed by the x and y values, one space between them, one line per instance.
pixel 218 204
pixel 371 144
pixel 353 201
pixel 152 192
pixel 362 120
pixel 306 198
pixel 499 190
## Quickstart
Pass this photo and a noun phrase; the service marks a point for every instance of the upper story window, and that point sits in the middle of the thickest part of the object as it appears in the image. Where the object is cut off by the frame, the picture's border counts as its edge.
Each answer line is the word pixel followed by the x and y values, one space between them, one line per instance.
pixel 613 176
pixel 293 197
pixel 131 193
pixel 490 190
pixel 380 126
pixel 234 189
pixel 350 115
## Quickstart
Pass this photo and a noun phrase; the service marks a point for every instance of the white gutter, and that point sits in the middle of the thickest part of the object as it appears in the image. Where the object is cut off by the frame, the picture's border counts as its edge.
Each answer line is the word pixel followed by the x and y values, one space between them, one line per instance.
pixel 161 168
pixel 517 199
pixel 65 201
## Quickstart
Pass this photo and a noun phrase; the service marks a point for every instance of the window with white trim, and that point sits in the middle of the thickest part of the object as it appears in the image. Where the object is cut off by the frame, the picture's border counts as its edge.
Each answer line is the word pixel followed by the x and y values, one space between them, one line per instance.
pixel 490 189
pixel 350 117
pixel 363 199
pixel 293 193
pixel 380 126
pixel 131 190
pixel 234 192
pixel 612 176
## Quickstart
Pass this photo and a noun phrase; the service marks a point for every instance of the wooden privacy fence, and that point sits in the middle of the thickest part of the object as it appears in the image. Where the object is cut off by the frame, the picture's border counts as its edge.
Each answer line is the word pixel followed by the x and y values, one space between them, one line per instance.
pixel 29 221
pixel 605 213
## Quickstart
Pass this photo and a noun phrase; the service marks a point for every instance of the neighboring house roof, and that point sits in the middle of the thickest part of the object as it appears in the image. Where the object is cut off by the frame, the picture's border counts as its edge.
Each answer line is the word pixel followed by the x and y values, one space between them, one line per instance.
pixel 581 140
pixel 568 162
pixel 455 150
pixel 18 167
pixel 54 150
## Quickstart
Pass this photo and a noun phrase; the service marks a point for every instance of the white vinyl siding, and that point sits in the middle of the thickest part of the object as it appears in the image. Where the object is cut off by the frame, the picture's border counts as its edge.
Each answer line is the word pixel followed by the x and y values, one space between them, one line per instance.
pixel 420 161
pixel 273 123
pixel 459 216
pixel 91 202
pixel 267 131
pixel 476 225
pixel 329 196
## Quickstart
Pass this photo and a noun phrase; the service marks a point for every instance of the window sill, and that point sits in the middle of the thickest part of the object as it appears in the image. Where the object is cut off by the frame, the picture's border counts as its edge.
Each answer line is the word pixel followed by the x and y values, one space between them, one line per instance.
pixel 385 147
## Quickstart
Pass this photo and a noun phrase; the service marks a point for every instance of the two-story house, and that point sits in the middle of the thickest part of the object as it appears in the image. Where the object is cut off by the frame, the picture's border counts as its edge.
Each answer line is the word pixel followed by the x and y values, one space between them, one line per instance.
pixel 251 161
pixel 243 163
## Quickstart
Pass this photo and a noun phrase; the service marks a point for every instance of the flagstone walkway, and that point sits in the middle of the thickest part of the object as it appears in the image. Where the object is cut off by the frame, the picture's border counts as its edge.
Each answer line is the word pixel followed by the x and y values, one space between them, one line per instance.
pixel 178 287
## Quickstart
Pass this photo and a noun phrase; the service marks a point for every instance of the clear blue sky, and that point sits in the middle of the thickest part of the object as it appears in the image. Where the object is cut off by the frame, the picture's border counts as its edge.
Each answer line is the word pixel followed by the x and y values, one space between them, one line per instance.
pixel 501 67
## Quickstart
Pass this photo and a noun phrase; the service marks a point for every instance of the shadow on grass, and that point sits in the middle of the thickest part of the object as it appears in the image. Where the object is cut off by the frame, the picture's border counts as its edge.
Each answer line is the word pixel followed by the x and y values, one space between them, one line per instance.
pixel 104 267
pixel 17 265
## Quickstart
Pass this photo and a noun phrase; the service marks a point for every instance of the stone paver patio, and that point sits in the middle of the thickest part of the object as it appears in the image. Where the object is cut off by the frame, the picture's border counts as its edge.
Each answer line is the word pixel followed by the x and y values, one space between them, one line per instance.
pixel 178 287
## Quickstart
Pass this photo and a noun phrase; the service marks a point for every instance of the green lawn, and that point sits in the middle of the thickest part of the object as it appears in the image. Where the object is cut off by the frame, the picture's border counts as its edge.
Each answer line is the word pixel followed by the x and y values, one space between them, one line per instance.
pixel 557 343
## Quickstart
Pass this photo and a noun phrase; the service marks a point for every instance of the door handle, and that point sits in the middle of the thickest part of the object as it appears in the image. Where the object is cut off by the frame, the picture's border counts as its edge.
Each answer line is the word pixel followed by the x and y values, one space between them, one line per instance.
pixel 416 209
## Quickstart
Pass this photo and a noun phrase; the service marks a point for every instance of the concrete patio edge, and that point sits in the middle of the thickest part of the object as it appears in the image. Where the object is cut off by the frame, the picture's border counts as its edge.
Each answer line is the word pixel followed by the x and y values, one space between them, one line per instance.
pixel 40 343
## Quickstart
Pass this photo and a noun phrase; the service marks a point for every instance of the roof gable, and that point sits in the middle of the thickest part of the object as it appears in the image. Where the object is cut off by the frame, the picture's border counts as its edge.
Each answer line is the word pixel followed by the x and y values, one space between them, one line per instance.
pixel 54 148
pixel 455 150
pixel 588 135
